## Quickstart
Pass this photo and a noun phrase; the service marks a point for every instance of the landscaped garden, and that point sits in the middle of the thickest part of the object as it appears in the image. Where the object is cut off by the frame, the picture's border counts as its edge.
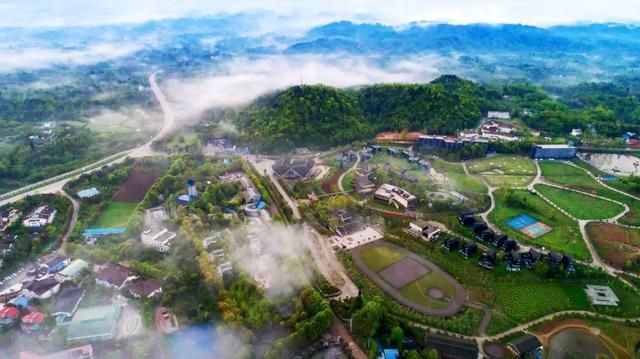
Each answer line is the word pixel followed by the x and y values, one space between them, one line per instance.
pixel 579 205
pixel 410 279
pixel 504 171
pixel 525 295
pixel 523 301
pixel 565 236
pixel 458 180
pixel 578 178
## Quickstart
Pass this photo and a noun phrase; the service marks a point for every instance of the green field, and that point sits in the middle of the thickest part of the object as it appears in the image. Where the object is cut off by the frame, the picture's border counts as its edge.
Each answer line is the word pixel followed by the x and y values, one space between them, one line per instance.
pixel 130 121
pixel 418 291
pixel 458 179
pixel 580 205
pixel 115 214
pixel 504 171
pixel 533 300
pixel 379 257
pixel 565 236
pixel 574 177
pixel 346 181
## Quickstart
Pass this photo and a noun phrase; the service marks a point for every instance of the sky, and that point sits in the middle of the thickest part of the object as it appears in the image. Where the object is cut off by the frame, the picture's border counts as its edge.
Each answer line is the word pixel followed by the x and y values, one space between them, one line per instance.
pixel 303 14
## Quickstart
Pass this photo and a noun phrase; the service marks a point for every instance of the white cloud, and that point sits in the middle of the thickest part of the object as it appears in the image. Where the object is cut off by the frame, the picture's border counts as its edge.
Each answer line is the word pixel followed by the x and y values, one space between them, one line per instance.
pixel 242 80
pixel 304 13
pixel 12 59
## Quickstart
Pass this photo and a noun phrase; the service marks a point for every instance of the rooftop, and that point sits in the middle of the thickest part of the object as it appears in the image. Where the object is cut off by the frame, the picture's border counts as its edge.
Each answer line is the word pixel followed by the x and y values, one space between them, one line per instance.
pixel 74 268
pixel 88 193
pixel 67 301
pixel 114 275
pixel 93 322
pixel 602 295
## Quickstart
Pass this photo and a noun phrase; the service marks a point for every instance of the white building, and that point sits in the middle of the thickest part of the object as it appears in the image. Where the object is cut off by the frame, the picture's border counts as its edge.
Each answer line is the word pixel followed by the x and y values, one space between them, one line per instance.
pixel 602 295
pixel 158 237
pixel 503 115
pixel 41 216
pixel 72 271
pixel 394 195
pixel 7 219
pixel 576 132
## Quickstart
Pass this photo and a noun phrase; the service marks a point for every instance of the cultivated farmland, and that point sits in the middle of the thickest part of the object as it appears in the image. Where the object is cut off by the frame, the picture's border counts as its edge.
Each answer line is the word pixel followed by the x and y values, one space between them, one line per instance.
pixel 579 205
pixel 504 171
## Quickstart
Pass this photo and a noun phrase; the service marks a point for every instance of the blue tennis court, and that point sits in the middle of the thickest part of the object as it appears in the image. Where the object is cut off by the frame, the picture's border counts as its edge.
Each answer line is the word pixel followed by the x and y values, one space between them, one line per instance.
pixel 520 221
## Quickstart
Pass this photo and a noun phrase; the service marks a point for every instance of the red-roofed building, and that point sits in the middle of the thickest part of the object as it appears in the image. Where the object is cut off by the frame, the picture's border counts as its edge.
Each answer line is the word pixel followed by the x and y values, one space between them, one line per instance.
pixel 33 322
pixel 8 316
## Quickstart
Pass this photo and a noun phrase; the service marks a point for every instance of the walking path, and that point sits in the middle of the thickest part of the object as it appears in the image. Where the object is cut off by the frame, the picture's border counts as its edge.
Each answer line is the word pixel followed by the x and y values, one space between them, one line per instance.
pixel 347 171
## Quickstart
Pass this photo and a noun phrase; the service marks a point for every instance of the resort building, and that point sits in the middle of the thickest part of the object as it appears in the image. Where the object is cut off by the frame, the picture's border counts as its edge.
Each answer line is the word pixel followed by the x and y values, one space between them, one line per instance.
pixel 115 277
pixel 363 184
pixel 55 263
pixel 88 193
pixel 94 323
pixel 393 195
pixel 295 168
pixel 538 152
pixel 501 115
pixel 527 345
pixel 72 271
pixel 422 228
pixel 41 289
pixel 41 216
pixel 145 289
pixel 158 237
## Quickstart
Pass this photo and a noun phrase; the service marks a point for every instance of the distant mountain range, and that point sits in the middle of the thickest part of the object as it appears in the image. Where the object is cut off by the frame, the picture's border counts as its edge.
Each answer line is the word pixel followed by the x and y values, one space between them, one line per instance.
pixel 551 56
pixel 416 38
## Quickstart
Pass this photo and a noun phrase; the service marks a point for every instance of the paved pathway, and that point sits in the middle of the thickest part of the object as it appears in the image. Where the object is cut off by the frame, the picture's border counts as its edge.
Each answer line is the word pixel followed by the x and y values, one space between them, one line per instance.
pixel 347 171
pixel 264 166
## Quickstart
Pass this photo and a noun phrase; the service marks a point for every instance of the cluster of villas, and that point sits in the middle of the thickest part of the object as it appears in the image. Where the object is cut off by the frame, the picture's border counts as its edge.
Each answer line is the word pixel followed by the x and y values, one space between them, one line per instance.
pixel 514 257
pixel 410 156
pixel 57 280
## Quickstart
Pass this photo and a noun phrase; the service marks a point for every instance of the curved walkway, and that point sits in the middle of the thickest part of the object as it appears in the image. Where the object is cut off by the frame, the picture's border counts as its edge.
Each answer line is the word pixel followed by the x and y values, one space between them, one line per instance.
pixel 452 309
pixel 347 171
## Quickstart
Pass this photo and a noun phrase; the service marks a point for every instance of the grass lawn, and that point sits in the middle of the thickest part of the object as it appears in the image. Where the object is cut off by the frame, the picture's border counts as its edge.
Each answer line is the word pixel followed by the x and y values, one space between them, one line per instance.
pixel 571 176
pixel 379 257
pixel 346 181
pixel 458 179
pixel 523 301
pixel 579 205
pixel 417 291
pixel 115 214
pixel 565 236
pixel 504 171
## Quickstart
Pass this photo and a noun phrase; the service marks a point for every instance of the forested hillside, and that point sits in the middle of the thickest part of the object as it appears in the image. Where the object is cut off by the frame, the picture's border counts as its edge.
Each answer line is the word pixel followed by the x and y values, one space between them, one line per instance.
pixel 320 117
